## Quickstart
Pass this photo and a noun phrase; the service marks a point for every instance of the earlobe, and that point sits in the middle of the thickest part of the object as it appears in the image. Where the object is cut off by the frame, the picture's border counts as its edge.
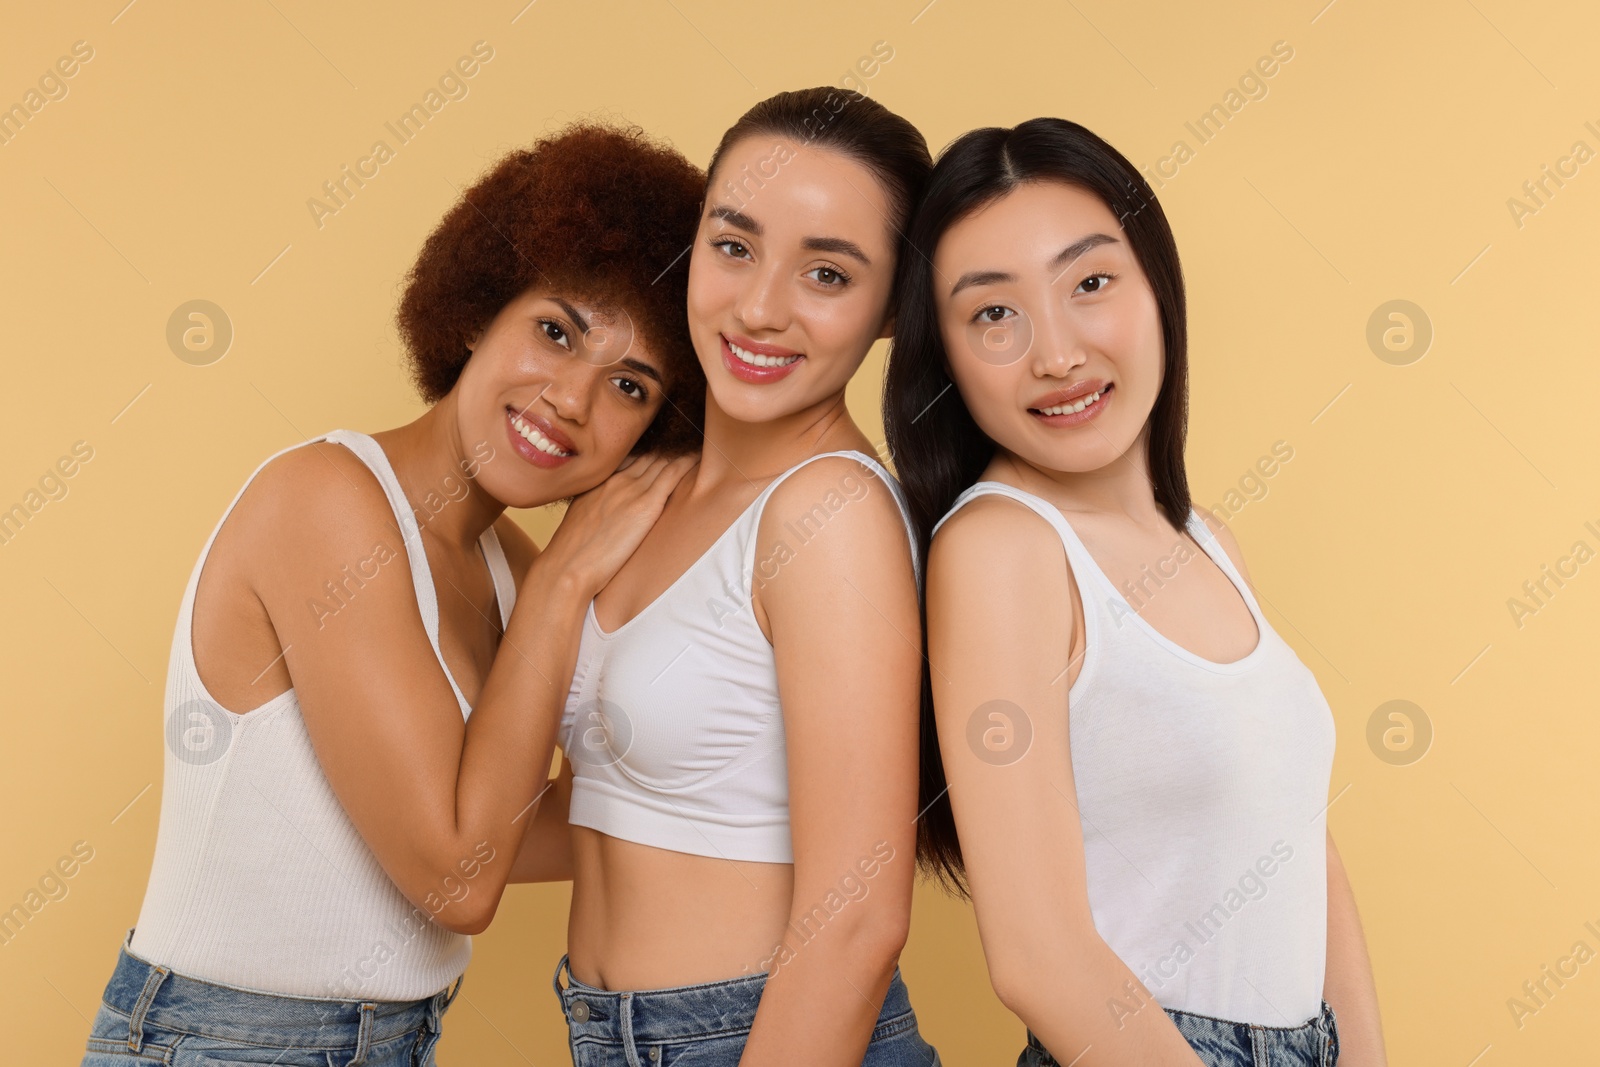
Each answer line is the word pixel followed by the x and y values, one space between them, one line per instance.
pixel 473 339
pixel 888 327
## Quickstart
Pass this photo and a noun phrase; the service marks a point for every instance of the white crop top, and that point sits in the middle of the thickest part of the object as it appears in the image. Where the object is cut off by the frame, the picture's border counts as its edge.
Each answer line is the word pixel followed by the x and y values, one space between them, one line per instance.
pixel 673 724
pixel 1202 792
pixel 260 879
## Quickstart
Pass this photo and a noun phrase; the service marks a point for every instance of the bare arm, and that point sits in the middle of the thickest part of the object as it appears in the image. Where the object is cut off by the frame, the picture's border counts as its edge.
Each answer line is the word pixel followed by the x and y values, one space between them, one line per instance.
pixel 842 612
pixel 1348 985
pixel 434 797
pixel 545 854
pixel 1000 623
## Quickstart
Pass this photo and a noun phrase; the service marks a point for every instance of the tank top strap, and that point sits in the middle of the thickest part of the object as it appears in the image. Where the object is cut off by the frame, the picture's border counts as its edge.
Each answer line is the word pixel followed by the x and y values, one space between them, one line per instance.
pixel 1212 547
pixel 183 642
pixel 505 586
pixel 1084 568
pixel 371 453
pixel 861 457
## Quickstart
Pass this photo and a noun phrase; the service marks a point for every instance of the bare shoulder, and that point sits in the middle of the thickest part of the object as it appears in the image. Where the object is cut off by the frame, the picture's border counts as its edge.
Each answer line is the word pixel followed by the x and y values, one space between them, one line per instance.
pixel 844 498
pixel 519 548
pixel 310 505
pixel 319 482
pixel 1224 536
pixel 992 540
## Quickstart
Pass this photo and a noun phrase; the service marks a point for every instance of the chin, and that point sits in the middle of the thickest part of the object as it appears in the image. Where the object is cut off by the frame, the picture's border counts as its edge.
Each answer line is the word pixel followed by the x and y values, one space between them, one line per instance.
pixel 534 490
pixel 735 400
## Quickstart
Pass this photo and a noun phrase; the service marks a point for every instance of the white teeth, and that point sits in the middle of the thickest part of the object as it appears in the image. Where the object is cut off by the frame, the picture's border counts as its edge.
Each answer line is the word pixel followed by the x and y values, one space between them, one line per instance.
pixel 760 361
pixel 1068 409
pixel 537 439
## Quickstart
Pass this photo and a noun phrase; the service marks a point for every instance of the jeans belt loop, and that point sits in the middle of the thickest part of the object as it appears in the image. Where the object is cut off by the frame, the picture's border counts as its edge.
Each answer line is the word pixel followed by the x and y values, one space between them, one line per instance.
pixel 147 996
pixel 439 1002
pixel 363 1034
pixel 556 981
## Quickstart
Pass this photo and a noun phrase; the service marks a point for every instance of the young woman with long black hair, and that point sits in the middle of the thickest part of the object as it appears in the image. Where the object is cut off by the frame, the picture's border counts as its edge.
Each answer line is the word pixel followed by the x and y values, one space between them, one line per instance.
pixel 333 824
pixel 742 727
pixel 1132 794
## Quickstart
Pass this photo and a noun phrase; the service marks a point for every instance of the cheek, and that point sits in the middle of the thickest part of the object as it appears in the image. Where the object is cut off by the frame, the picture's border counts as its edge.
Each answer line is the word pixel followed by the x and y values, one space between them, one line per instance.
pixel 989 392
pixel 621 425
pixel 710 289
pixel 1133 339
pixel 842 328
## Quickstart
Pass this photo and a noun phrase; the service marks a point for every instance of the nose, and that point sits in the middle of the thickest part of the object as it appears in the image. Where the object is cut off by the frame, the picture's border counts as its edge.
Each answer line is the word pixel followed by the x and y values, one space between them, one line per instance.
pixel 763 302
pixel 1057 344
pixel 571 390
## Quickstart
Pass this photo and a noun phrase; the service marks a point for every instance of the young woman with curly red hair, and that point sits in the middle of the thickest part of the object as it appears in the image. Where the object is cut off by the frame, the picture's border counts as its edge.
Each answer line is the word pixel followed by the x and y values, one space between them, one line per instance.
pixel 333 824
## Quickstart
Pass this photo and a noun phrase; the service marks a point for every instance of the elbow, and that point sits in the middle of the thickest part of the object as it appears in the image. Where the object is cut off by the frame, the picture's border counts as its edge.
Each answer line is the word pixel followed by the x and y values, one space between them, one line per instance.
pixel 1028 978
pixel 890 933
pixel 464 907
pixel 467 916
pixel 1010 987
pixel 876 937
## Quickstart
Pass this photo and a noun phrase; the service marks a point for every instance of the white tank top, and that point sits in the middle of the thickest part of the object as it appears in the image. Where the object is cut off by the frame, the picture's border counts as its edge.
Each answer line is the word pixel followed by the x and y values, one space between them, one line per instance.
pixel 1202 790
pixel 260 879
pixel 673 723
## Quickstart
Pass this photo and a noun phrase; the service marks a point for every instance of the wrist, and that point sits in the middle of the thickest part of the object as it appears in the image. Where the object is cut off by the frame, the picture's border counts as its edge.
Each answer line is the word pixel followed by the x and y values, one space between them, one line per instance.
pixel 555 580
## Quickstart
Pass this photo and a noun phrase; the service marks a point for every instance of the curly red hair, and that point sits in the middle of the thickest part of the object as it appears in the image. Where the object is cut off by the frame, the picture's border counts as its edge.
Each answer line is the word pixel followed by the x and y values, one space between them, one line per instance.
pixel 600 212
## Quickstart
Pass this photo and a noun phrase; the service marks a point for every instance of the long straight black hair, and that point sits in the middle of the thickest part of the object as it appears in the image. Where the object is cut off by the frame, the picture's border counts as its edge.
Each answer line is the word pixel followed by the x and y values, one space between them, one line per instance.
pixel 938 449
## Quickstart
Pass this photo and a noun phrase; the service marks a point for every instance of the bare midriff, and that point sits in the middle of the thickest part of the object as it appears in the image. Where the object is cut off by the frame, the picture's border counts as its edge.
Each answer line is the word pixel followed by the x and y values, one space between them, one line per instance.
pixel 651 918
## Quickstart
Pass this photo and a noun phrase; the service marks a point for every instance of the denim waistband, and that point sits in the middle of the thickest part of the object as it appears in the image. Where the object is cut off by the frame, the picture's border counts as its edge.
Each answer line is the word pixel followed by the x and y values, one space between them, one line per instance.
pixel 679 1013
pixel 1314 1041
pixel 158 997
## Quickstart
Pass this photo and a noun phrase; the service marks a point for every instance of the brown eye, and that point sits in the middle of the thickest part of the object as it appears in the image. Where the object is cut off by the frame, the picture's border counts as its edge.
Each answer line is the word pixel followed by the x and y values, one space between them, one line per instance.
pixel 631 389
pixel 556 332
pixel 829 277
pixel 1094 283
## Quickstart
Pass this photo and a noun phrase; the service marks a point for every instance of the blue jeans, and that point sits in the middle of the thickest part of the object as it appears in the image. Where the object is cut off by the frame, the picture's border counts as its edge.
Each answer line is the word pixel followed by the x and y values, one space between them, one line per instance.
pixel 1221 1043
pixel 707 1025
pixel 150 1015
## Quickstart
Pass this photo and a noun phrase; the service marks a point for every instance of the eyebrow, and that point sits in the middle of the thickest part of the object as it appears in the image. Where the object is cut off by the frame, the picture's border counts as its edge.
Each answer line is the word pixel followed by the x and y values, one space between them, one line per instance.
pixel 643 368
pixel 1062 259
pixel 582 324
pixel 737 217
pixel 572 313
pixel 838 245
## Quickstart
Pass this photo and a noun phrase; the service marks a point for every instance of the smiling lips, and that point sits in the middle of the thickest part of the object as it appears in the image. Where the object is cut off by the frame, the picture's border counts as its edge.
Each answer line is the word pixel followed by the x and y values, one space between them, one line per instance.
pixel 752 361
pixel 537 441
pixel 1074 405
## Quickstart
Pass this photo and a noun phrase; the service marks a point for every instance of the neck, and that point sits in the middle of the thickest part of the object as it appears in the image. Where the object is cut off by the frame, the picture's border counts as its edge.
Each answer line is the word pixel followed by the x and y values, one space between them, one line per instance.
pixel 759 451
pixel 1122 487
pixel 428 459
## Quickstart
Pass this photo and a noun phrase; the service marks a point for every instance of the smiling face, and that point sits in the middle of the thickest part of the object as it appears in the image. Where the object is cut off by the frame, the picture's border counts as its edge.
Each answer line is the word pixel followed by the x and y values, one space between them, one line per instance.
pixel 562 389
pixel 790 277
pixel 1051 330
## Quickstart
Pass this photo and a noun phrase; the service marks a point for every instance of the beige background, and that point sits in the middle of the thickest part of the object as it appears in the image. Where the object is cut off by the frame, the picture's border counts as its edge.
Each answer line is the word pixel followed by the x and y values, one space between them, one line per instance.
pixel 1420 497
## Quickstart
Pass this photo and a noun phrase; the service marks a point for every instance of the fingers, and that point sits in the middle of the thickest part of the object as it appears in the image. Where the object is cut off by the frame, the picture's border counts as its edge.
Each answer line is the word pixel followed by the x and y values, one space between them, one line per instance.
pixel 669 477
pixel 647 465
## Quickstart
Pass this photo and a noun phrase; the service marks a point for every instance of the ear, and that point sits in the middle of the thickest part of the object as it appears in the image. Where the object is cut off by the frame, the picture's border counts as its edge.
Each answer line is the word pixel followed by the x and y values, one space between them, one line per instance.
pixel 472 341
pixel 888 327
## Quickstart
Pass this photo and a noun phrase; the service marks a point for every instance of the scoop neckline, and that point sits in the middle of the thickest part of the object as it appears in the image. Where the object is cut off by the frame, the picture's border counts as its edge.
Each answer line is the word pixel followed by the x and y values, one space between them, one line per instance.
pixel 592 618
pixel 1226 567
pixel 1195 527
pixel 283 697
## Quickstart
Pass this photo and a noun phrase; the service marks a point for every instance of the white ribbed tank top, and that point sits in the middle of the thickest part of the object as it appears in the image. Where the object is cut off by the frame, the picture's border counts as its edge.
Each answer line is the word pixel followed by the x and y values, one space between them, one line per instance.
pixel 260 880
pixel 1202 791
